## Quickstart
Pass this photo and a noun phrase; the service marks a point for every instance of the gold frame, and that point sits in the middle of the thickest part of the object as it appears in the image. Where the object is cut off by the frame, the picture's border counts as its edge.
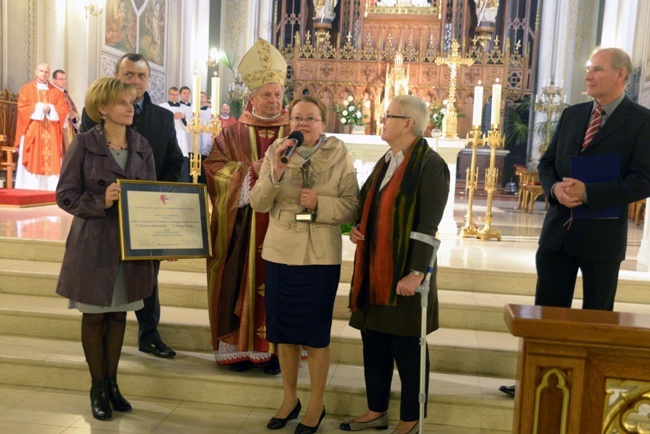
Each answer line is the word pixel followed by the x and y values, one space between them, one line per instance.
pixel 165 221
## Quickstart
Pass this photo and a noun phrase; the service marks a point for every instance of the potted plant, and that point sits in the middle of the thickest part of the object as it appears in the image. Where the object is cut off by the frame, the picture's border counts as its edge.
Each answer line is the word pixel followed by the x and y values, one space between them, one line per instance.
pixel 436 117
pixel 517 130
pixel 350 115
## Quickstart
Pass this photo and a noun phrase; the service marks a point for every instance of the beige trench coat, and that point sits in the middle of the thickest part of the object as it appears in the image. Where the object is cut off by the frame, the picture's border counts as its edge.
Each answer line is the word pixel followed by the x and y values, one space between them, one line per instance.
pixel 307 243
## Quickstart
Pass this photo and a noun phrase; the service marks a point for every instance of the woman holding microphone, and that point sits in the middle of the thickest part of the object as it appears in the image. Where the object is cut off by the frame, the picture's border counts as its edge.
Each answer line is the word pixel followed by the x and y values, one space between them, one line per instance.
pixel 307 199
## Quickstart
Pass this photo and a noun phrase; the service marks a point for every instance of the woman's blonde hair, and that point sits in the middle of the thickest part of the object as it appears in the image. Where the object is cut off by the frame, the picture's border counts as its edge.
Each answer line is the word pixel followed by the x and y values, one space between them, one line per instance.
pixel 105 91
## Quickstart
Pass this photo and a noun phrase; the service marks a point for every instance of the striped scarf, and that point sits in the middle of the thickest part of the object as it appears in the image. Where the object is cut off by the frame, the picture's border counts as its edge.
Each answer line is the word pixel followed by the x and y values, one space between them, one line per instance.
pixel 385 254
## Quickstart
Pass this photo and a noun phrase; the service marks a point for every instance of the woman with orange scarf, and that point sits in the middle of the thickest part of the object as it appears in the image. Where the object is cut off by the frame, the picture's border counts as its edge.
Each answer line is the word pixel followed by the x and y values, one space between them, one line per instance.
pixel 407 191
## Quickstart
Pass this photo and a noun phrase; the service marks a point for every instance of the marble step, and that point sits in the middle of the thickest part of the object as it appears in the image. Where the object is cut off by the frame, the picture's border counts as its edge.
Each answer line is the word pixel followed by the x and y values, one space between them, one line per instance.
pixel 52 251
pixel 475 308
pixel 185 279
pixel 450 350
pixel 193 376
pixel 458 309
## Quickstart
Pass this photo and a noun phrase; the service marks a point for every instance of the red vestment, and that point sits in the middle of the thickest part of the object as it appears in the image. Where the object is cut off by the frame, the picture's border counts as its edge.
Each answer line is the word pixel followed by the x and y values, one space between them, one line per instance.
pixel 43 144
pixel 227 122
pixel 236 270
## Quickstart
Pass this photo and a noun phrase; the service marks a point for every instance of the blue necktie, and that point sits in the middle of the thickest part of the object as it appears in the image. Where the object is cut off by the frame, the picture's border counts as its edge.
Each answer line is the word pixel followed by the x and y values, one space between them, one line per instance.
pixel 137 109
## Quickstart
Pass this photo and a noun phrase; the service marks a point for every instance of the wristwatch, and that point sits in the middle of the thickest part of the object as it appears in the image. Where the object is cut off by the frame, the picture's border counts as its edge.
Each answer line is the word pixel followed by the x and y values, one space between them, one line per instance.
pixel 416 273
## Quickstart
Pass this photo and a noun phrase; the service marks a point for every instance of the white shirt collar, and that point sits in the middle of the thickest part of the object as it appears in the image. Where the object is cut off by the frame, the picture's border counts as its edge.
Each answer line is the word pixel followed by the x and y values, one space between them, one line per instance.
pixel 398 157
pixel 265 118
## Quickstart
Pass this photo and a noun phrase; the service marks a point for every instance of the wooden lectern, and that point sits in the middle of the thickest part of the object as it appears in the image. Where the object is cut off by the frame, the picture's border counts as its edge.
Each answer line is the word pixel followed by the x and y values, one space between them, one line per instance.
pixel 580 371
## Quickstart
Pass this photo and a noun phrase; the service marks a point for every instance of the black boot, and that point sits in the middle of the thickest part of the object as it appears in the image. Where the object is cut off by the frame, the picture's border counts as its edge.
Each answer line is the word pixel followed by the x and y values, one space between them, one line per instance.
pixel 99 401
pixel 114 395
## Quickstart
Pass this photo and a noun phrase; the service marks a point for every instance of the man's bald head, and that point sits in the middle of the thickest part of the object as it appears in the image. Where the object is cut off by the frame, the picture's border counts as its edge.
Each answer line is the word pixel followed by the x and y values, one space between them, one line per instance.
pixel 42 73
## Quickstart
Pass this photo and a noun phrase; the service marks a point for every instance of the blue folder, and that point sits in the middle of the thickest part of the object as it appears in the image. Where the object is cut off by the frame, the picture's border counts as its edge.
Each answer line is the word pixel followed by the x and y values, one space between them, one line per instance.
pixel 595 168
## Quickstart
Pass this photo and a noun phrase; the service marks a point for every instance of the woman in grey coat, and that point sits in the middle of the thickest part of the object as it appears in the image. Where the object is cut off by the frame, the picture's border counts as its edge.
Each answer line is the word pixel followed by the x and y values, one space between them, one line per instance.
pixel 93 277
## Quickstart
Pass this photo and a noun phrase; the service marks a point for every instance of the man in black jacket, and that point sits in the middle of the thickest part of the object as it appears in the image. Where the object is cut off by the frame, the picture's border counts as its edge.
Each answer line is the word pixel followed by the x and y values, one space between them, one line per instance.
pixel 611 127
pixel 156 124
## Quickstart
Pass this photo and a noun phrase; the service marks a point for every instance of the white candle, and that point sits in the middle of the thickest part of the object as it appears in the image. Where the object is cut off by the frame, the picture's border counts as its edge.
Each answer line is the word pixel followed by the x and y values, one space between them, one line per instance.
pixel 496 104
pixel 215 93
pixel 478 105
pixel 196 94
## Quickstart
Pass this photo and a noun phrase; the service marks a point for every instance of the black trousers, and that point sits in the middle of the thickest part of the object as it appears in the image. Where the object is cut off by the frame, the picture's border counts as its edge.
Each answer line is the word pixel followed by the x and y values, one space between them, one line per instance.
pixel 149 315
pixel 380 351
pixel 556 280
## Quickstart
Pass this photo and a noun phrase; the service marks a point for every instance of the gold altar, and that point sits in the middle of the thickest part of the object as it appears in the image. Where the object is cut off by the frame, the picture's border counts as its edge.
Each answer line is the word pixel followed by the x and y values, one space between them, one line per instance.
pixel 350 50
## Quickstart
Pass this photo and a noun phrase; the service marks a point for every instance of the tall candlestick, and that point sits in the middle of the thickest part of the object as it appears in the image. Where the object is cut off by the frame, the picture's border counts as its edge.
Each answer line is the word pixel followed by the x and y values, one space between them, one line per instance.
pixel 495 116
pixel 478 105
pixel 215 94
pixel 196 94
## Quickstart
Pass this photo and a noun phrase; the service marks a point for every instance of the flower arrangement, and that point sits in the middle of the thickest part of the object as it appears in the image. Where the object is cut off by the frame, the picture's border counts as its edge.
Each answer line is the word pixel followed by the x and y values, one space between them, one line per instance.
pixel 437 114
pixel 350 112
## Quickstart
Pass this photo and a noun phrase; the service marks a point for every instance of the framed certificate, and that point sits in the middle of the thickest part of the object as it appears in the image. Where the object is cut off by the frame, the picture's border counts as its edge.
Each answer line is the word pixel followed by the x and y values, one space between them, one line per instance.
pixel 163 220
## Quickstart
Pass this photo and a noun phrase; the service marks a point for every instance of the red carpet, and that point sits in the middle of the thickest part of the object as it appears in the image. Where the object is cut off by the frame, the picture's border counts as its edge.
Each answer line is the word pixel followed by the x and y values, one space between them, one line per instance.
pixel 14 197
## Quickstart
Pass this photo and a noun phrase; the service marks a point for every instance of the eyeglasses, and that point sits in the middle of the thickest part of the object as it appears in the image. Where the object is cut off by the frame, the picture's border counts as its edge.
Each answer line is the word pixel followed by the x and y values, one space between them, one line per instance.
pixel 384 117
pixel 309 120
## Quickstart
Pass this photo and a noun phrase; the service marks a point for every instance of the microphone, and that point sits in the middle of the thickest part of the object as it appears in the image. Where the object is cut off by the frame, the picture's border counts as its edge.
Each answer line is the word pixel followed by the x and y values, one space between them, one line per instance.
pixel 297 138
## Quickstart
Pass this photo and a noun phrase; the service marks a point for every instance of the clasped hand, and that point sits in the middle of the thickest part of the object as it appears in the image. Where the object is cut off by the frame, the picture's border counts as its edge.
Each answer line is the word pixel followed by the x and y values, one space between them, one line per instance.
pixel 112 195
pixel 308 198
pixel 569 192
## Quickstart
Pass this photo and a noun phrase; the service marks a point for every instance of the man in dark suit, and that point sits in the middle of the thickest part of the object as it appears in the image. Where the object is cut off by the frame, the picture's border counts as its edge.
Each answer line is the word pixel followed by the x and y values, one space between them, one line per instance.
pixel 595 246
pixel 156 124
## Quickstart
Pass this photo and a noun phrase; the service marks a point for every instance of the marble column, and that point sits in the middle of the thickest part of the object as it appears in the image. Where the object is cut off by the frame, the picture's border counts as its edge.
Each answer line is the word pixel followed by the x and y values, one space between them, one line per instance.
pixel 618 29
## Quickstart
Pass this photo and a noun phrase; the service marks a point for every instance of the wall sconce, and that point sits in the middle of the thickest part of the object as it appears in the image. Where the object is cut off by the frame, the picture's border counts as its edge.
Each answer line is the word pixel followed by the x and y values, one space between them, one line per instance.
pixel 214 58
pixel 93 9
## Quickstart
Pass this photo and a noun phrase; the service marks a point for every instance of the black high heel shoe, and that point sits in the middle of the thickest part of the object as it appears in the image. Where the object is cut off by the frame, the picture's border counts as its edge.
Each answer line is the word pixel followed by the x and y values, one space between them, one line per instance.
pixel 279 423
pixel 304 429
pixel 117 400
pixel 99 401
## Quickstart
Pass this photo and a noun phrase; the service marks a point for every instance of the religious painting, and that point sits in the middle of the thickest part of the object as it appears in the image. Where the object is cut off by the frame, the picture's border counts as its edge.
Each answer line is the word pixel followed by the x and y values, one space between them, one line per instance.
pixel 121 22
pixel 152 31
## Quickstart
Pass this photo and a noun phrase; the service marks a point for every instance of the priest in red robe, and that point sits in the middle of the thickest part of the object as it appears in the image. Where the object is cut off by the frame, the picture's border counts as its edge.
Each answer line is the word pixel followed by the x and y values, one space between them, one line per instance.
pixel 224 116
pixel 236 269
pixel 42 110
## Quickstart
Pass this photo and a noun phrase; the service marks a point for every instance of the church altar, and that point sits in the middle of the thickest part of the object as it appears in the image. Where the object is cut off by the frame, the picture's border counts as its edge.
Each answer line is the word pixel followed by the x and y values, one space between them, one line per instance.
pixel 482 163
pixel 366 150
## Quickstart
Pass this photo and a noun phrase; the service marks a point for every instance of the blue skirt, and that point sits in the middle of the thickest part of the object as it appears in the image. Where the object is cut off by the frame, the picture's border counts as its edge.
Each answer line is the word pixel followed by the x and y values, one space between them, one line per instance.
pixel 299 303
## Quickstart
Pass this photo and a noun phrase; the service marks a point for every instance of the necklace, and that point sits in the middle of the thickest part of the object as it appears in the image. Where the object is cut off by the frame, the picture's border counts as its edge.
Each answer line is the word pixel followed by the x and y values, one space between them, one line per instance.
pixel 116 149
